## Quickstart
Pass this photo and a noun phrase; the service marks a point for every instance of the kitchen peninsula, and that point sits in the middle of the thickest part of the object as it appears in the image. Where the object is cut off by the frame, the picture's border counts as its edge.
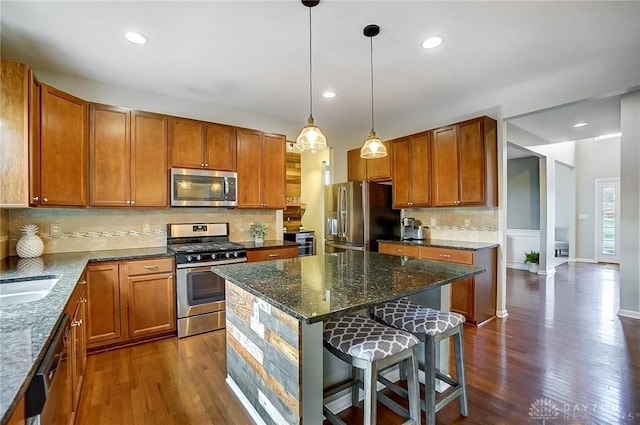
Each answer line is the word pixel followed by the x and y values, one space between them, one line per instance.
pixel 275 311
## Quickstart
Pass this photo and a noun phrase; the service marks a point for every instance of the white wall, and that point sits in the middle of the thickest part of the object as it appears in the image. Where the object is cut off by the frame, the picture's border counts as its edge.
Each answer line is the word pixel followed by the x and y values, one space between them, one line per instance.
pixel 313 191
pixel 523 196
pixel 594 160
pixel 564 195
pixel 630 206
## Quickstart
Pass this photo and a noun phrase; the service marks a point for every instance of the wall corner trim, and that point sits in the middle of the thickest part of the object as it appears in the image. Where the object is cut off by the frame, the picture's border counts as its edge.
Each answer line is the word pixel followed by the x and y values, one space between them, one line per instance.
pixel 629 313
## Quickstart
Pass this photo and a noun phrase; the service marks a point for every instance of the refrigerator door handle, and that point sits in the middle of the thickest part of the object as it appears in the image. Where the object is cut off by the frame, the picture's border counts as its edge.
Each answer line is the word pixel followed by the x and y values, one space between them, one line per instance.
pixel 342 202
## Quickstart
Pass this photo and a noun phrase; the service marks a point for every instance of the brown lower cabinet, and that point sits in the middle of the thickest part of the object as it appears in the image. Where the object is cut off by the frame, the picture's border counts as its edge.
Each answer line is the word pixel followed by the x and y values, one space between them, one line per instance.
pixel 474 297
pixel 272 253
pixel 130 301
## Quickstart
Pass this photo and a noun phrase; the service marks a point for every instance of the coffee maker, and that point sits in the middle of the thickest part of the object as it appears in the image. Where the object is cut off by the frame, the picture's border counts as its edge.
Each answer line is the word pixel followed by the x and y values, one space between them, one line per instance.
pixel 411 229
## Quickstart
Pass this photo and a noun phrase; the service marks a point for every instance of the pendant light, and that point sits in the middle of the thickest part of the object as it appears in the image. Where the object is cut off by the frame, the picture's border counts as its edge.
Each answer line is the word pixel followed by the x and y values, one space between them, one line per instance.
pixel 373 146
pixel 310 138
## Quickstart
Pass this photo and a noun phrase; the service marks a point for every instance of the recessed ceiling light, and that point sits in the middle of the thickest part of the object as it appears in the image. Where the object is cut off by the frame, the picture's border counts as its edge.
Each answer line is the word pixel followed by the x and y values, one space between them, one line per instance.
pixel 580 124
pixel 135 38
pixel 329 94
pixel 432 42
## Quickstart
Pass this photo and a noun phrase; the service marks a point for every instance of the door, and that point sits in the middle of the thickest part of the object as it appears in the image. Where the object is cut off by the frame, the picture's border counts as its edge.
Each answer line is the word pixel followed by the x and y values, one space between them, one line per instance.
pixel 249 168
pixel 110 164
pixel 63 149
pixel 103 303
pixel 151 304
pixel 608 220
pixel 446 186
pixel 274 168
pixel 149 171
pixel 187 143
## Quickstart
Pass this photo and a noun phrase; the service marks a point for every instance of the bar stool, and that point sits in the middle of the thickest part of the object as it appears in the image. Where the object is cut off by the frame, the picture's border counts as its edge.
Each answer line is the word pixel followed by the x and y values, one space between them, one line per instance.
pixel 370 346
pixel 430 327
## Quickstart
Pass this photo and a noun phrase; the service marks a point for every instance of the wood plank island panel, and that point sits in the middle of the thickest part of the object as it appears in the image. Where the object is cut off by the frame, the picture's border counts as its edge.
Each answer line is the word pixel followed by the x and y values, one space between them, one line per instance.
pixel 264 356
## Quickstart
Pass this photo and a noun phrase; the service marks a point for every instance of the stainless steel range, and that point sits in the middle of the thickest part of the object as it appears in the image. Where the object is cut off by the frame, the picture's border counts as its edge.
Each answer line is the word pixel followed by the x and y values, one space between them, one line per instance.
pixel 200 292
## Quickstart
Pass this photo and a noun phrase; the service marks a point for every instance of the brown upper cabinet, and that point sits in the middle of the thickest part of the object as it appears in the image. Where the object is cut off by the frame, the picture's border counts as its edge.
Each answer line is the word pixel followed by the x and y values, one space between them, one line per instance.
pixel 261 169
pixel 15 133
pixel 359 169
pixel 412 171
pixel 62 150
pixel 128 158
pixel 198 144
pixel 464 161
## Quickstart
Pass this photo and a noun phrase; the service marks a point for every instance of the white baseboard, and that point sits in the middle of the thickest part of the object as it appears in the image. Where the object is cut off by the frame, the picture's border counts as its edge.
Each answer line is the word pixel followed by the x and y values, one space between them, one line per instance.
pixel 629 313
pixel 584 260
pixel 519 266
pixel 502 314
pixel 547 272
pixel 245 402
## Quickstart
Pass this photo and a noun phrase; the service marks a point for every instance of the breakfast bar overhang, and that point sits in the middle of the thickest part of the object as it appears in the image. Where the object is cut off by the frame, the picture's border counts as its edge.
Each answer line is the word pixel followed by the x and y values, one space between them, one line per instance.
pixel 275 311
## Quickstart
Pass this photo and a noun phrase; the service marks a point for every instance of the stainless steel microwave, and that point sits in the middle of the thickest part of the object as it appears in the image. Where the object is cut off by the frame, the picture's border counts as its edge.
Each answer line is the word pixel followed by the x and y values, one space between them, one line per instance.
pixel 203 188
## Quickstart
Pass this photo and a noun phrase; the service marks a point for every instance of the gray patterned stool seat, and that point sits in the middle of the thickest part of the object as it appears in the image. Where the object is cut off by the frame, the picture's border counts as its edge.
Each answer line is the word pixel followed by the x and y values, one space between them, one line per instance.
pixel 412 317
pixel 430 326
pixel 370 346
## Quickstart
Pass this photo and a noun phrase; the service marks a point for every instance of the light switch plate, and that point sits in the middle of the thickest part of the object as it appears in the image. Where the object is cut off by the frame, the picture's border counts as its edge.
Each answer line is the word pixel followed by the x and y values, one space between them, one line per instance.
pixel 582 216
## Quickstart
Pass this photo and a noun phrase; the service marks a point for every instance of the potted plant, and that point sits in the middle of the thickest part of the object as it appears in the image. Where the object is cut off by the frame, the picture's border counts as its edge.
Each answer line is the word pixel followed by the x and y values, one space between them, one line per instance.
pixel 533 258
pixel 258 231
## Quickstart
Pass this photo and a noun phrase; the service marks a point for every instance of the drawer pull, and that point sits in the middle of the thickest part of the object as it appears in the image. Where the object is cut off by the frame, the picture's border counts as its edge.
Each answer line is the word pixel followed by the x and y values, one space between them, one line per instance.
pixel 152 267
pixel 82 282
pixel 273 255
pixel 398 250
pixel 76 323
pixel 445 255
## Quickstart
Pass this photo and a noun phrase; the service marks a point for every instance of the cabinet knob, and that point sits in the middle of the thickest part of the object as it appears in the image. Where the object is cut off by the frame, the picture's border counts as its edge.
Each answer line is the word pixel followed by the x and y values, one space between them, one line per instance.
pixel 202 164
pixel 132 202
pixel 45 200
pixel 206 165
pixel 36 198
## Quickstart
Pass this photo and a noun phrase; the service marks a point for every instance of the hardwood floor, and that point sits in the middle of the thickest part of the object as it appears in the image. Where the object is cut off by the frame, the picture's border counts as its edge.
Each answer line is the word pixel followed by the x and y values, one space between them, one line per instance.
pixel 561 344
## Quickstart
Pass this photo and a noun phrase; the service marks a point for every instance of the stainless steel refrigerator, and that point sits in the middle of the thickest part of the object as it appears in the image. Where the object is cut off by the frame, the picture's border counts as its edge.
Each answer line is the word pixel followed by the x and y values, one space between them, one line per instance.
pixel 357 214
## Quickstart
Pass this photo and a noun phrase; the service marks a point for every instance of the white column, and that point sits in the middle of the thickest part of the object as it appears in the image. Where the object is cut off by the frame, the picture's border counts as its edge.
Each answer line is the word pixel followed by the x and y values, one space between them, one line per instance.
pixel 547 214
pixel 630 206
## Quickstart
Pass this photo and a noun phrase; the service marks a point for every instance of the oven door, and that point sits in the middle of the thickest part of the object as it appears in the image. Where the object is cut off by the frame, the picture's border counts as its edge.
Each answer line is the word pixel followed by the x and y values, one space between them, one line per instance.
pixel 199 291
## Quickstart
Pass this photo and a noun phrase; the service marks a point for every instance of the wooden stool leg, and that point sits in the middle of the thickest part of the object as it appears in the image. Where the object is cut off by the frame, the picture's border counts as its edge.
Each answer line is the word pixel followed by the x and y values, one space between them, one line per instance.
pixel 411 367
pixel 430 379
pixel 370 393
pixel 458 343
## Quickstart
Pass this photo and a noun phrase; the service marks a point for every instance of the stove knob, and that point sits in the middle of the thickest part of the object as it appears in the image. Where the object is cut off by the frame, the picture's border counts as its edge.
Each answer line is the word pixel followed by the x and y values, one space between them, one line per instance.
pixel 235 254
pixel 198 257
pixel 213 256
pixel 188 258
pixel 227 255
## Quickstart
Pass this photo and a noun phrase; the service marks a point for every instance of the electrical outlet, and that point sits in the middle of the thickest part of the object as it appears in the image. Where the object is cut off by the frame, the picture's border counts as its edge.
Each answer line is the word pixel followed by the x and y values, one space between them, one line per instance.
pixel 467 222
pixel 433 221
pixel 146 227
pixel 55 229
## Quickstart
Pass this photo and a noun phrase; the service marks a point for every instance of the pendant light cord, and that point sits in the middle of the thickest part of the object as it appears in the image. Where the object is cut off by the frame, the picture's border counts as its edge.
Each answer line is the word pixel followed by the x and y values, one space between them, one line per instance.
pixel 372 118
pixel 310 71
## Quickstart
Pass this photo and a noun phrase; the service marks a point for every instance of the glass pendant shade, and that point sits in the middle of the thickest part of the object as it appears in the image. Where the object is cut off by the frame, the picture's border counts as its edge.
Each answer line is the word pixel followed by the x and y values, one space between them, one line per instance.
pixel 311 138
pixel 373 147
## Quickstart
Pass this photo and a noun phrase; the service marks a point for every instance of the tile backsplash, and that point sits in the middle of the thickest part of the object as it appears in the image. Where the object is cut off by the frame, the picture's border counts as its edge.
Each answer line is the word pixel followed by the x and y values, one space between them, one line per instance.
pixel 4 233
pixel 99 229
pixel 459 224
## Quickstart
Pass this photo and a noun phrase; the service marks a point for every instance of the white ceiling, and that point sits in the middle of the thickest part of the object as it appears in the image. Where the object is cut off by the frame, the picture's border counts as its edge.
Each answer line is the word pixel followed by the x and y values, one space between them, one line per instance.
pixel 238 60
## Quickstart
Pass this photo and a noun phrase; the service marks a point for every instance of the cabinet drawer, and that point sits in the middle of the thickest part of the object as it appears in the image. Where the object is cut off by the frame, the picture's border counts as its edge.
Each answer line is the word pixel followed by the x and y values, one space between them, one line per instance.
pixel 272 253
pixel 152 265
pixel 398 249
pixel 448 255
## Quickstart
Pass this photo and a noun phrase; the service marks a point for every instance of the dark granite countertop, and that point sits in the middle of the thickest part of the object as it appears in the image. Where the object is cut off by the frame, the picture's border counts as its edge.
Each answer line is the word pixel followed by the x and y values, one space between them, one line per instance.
pixel 26 329
pixel 441 243
pixel 318 287
pixel 270 243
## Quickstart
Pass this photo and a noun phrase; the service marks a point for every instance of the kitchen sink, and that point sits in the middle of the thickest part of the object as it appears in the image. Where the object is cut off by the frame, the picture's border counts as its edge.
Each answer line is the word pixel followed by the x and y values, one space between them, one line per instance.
pixel 25 290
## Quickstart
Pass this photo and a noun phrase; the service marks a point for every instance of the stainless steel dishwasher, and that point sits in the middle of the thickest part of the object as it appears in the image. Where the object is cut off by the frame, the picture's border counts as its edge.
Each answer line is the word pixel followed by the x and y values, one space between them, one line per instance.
pixel 48 400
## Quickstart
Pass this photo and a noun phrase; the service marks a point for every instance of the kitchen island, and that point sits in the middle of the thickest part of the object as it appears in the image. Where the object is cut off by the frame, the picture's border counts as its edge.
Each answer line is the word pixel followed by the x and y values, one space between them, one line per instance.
pixel 275 311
